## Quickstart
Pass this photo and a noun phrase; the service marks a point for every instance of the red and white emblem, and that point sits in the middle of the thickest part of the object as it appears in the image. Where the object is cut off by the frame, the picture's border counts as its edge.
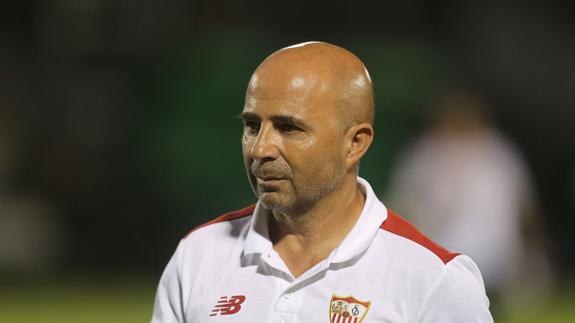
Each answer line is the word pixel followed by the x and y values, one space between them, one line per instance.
pixel 347 309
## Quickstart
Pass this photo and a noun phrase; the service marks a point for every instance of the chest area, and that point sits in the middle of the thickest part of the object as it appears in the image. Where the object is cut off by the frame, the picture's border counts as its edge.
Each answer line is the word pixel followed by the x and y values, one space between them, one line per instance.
pixel 345 296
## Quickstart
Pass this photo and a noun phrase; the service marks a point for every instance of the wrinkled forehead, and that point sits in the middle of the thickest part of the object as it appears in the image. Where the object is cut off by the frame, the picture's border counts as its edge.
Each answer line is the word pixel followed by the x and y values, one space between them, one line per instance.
pixel 319 78
pixel 295 91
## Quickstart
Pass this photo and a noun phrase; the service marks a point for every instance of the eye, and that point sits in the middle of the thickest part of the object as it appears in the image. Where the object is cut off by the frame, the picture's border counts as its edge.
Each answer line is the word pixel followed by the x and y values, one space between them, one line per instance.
pixel 288 128
pixel 251 127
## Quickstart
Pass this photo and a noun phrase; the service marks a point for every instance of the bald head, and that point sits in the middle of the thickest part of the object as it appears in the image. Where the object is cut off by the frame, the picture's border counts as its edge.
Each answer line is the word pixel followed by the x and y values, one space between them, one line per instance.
pixel 321 70
pixel 307 123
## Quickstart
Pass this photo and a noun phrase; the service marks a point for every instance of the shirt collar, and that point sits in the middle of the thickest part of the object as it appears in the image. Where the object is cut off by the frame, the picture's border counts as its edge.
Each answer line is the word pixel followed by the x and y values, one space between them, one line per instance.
pixel 356 241
pixel 258 238
pixel 365 229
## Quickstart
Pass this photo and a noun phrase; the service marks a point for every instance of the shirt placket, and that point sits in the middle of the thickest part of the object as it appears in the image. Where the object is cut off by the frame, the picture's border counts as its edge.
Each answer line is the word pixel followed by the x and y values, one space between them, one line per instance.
pixel 290 292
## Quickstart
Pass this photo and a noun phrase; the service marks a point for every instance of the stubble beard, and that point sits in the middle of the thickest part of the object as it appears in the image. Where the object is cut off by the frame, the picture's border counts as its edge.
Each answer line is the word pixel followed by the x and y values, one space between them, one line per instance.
pixel 278 203
pixel 298 199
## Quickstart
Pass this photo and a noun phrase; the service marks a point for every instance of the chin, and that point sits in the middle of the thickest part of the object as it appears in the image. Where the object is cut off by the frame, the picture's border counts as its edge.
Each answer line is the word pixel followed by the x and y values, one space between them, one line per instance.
pixel 274 202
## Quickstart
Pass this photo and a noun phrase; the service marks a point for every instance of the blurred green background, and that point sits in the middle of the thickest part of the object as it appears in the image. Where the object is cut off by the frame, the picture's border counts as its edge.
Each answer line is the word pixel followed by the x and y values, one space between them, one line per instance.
pixel 117 128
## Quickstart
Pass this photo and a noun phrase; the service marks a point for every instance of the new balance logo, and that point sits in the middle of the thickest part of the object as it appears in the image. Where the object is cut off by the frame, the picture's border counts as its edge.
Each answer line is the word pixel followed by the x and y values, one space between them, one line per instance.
pixel 227 306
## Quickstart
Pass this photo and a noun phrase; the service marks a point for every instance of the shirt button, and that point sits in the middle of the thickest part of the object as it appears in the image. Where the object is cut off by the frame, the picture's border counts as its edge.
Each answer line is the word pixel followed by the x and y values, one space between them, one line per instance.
pixel 287 296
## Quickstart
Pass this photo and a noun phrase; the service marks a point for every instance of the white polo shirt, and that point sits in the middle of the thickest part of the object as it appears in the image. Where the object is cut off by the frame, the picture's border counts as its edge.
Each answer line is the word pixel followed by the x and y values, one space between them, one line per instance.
pixel 383 271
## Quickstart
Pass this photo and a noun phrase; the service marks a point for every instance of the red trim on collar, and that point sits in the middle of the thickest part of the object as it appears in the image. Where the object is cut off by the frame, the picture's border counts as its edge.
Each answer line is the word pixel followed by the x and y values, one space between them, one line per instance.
pixel 398 225
pixel 249 210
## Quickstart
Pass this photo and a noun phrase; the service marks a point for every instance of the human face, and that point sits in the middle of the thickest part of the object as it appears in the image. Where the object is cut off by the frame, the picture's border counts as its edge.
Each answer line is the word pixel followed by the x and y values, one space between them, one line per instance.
pixel 292 143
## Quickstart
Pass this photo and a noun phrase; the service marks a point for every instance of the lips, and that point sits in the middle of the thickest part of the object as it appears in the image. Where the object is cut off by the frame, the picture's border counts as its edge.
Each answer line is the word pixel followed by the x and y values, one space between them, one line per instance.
pixel 269 182
pixel 269 172
pixel 264 175
pixel 270 178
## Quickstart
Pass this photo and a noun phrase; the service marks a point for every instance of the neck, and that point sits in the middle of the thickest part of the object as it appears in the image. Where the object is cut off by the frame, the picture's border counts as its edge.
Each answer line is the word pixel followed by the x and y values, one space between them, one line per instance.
pixel 304 239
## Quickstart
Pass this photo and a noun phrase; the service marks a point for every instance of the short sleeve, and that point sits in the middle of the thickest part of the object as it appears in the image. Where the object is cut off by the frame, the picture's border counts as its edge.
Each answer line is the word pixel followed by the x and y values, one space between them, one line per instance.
pixel 457 296
pixel 168 305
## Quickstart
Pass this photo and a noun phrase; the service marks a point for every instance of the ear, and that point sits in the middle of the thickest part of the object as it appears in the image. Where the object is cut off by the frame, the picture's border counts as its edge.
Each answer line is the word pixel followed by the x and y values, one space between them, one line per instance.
pixel 358 139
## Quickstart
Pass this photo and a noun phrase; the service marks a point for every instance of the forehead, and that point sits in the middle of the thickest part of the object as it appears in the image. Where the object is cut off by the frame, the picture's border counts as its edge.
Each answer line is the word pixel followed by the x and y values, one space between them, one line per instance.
pixel 301 96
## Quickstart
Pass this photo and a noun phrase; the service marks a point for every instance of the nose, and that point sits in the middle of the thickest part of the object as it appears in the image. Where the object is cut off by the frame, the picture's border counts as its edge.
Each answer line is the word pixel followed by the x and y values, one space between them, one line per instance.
pixel 266 144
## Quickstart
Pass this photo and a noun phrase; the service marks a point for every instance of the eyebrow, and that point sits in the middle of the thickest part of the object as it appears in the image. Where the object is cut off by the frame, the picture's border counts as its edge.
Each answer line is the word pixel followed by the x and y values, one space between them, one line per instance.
pixel 283 119
pixel 248 116
pixel 279 119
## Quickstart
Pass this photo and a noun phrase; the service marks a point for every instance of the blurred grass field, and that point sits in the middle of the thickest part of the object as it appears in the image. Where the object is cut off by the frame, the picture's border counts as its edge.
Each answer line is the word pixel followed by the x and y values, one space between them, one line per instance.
pixel 79 300
pixel 560 308
pixel 127 300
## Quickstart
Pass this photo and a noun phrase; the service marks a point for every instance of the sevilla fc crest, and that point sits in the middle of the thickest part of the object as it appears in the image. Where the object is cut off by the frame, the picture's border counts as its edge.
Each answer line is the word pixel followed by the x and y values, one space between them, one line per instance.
pixel 347 309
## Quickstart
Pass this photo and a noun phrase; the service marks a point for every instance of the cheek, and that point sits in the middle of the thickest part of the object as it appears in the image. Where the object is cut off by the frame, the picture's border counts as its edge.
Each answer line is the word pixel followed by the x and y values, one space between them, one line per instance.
pixel 314 158
pixel 330 159
pixel 330 147
pixel 246 154
pixel 307 144
pixel 247 144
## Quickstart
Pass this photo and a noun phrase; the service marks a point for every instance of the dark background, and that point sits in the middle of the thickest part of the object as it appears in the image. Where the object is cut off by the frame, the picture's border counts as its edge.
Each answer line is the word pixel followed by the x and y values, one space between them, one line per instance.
pixel 117 116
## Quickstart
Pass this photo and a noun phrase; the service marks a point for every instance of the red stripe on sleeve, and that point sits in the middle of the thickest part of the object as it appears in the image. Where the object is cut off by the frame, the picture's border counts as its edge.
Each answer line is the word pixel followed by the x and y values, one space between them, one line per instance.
pixel 227 217
pixel 398 225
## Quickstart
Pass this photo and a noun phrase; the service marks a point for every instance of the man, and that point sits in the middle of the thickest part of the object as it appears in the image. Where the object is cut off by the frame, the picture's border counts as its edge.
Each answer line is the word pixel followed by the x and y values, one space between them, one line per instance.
pixel 318 246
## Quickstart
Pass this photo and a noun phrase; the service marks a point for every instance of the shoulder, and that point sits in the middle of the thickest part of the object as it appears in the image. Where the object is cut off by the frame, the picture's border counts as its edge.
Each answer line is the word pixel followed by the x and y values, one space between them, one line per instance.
pixel 228 218
pixel 219 235
pixel 408 251
pixel 457 296
pixel 406 235
pixel 226 227
pixel 449 283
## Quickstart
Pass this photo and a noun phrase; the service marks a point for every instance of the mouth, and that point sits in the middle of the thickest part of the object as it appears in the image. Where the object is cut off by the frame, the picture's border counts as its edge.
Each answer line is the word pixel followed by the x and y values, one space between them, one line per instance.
pixel 269 179
pixel 269 183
